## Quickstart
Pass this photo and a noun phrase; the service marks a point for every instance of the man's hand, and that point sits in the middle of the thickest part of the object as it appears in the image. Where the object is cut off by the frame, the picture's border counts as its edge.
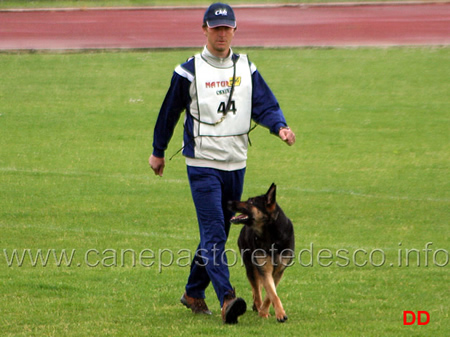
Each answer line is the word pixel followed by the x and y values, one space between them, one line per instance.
pixel 157 164
pixel 287 136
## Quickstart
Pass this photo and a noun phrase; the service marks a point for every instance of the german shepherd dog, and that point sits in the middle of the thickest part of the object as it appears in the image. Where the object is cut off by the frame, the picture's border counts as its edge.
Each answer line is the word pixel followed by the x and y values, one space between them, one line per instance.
pixel 266 243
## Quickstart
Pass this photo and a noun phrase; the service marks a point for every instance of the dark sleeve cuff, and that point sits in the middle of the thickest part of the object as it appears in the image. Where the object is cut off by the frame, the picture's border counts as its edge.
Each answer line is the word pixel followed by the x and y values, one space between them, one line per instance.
pixel 276 128
pixel 158 153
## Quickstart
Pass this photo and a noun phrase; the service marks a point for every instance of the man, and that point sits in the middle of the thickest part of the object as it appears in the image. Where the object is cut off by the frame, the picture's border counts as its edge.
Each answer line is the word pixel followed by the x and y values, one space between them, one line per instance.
pixel 221 93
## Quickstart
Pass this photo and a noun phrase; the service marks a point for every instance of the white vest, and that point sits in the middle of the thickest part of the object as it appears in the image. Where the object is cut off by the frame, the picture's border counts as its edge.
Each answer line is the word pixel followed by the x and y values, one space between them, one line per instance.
pixel 220 142
pixel 213 90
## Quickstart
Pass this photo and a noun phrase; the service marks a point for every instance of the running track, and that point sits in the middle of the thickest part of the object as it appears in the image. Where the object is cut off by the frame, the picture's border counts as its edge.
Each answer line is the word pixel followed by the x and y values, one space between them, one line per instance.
pixel 290 26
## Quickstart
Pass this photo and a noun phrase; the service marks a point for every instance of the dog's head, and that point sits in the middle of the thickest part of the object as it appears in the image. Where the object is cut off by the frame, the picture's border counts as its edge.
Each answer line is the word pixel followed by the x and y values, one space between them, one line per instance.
pixel 255 211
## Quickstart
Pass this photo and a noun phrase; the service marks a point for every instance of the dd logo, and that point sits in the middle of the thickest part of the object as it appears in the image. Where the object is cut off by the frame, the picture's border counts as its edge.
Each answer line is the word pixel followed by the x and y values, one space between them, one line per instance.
pixel 409 317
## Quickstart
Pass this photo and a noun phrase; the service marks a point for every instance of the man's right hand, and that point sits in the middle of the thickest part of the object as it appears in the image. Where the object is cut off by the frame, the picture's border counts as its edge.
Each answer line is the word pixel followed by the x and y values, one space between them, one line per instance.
pixel 157 164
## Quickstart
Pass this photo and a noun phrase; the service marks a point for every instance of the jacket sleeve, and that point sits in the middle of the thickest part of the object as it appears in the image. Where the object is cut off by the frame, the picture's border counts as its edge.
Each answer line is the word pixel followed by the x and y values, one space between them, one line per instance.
pixel 265 108
pixel 176 101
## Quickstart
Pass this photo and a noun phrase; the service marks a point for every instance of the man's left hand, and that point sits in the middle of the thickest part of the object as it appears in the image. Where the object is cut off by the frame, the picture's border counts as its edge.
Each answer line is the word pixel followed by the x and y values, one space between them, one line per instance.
pixel 287 136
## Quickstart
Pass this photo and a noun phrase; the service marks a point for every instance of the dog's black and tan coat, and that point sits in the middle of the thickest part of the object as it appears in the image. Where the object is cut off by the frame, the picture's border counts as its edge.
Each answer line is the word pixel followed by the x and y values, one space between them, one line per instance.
pixel 266 243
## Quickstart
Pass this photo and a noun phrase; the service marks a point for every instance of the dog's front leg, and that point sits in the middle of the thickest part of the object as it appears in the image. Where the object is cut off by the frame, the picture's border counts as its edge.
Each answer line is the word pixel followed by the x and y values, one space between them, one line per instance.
pixel 256 283
pixel 264 310
pixel 271 296
pixel 277 275
pixel 262 268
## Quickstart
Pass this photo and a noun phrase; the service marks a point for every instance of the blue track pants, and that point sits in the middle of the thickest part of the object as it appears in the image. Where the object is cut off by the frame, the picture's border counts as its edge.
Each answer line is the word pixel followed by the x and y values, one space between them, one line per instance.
pixel 211 190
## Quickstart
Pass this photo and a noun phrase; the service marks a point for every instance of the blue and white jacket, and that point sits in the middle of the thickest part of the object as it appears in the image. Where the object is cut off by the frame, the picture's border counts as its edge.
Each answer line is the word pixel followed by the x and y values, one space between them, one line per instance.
pixel 211 138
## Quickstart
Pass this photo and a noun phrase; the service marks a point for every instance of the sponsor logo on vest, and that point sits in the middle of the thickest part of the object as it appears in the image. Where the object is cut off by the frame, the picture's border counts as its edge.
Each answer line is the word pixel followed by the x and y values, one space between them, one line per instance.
pixel 223 91
pixel 223 84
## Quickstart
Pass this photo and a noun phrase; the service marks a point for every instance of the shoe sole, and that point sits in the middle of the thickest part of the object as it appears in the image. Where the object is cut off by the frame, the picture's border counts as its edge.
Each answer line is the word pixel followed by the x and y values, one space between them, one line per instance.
pixel 234 310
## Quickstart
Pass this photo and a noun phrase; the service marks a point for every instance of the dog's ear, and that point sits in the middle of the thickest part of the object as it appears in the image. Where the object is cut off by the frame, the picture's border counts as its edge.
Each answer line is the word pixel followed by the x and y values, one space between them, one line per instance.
pixel 271 198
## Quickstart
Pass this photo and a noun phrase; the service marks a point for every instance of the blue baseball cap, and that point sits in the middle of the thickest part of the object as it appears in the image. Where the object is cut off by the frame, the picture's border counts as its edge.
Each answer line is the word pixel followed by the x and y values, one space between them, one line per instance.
pixel 219 14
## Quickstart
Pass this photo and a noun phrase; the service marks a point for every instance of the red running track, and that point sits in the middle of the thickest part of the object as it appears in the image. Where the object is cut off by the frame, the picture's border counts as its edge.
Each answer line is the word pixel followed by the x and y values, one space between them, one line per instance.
pixel 297 25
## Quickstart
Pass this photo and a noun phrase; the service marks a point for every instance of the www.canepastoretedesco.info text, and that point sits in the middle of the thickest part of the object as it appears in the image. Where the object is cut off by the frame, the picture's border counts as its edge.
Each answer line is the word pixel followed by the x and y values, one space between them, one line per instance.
pixel 161 258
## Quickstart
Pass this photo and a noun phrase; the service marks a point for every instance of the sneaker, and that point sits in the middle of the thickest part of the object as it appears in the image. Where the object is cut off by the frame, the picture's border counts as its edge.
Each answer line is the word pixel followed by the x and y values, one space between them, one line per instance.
pixel 197 305
pixel 232 308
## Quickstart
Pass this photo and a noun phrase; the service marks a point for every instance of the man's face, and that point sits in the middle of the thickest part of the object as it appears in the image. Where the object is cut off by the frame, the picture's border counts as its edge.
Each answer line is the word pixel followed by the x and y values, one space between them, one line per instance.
pixel 219 40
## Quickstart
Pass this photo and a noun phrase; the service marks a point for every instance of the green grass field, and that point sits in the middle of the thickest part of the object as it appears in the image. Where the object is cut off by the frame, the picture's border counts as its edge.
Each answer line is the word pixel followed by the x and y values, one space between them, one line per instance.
pixel 366 185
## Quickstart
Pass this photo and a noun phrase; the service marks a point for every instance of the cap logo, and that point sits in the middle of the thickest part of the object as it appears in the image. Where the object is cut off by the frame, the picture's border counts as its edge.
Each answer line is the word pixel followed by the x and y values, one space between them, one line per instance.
pixel 221 11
